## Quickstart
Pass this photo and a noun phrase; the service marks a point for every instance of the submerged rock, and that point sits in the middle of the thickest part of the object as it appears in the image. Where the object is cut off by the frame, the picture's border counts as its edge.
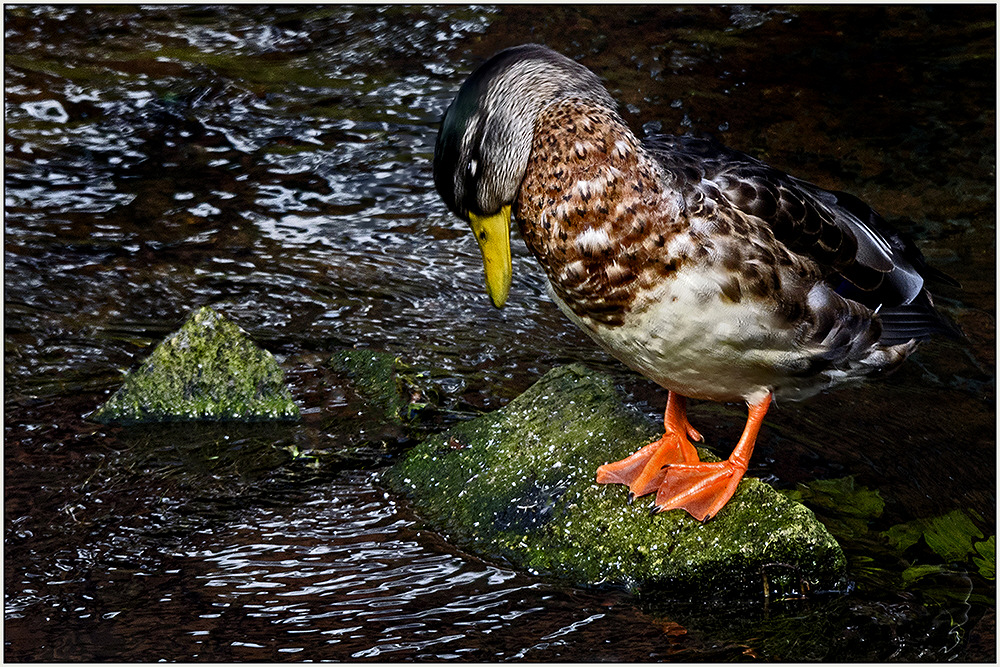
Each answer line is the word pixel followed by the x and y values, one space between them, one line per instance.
pixel 377 376
pixel 518 484
pixel 207 370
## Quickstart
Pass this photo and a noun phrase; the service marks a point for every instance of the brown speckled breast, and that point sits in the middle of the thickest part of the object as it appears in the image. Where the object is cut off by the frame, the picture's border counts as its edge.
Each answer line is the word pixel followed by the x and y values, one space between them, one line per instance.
pixel 593 211
pixel 609 223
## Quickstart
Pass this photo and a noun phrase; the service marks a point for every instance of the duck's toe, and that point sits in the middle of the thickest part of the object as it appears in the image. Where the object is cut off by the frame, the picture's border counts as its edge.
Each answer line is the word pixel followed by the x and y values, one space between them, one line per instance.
pixel 702 489
pixel 643 471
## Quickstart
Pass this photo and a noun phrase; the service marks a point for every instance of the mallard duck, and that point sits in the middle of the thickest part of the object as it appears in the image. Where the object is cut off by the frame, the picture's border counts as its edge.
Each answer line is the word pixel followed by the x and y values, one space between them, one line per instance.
pixel 705 270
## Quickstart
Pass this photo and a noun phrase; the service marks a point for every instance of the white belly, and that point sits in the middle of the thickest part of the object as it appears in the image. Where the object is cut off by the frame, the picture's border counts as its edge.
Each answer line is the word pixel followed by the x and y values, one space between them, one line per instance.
pixel 688 338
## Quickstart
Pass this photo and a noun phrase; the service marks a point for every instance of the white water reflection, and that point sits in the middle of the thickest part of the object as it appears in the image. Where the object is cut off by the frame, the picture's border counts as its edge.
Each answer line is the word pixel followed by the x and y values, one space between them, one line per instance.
pixel 345 567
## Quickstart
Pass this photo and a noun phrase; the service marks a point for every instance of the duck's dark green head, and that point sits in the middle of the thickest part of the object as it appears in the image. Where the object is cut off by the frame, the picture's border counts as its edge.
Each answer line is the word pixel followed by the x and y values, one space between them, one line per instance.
pixel 485 139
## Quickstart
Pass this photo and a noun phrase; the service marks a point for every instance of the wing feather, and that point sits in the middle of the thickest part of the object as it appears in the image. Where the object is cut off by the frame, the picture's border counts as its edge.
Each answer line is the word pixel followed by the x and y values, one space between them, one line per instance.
pixel 861 257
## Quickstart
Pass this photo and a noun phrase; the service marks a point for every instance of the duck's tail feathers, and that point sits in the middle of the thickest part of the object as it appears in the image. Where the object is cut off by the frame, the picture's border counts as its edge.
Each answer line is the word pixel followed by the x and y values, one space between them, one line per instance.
pixel 917 320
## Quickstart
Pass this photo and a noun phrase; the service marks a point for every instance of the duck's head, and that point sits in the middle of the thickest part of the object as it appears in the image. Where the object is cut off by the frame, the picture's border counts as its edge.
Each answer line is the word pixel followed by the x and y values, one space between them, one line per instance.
pixel 485 139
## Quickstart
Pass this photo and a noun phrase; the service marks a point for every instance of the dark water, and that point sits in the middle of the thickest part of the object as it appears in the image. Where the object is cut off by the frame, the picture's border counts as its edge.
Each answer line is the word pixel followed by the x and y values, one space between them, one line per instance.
pixel 275 163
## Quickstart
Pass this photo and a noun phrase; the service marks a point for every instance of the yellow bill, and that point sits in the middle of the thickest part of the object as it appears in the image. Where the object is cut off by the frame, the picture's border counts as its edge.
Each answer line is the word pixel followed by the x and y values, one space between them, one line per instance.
pixel 493 234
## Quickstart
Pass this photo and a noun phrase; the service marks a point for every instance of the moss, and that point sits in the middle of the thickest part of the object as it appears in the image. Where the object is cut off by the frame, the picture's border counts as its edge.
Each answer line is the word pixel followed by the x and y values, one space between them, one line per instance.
pixel 375 377
pixel 518 484
pixel 207 370
pixel 397 392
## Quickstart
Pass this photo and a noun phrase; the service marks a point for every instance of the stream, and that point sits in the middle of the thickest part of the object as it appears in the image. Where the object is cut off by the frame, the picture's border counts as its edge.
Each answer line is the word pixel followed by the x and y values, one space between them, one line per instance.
pixel 274 163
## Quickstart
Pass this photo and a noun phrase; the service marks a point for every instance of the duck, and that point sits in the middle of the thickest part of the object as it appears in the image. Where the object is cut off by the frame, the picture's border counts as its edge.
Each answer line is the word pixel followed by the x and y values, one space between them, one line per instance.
pixel 702 268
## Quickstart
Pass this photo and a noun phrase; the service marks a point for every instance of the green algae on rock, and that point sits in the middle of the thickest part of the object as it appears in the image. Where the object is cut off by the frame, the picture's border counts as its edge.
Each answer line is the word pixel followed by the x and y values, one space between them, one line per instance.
pixel 396 391
pixel 208 370
pixel 374 374
pixel 518 484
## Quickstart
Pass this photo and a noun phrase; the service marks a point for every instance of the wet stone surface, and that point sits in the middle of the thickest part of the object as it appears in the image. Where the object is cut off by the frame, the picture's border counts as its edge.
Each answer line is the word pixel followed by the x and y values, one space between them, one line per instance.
pixel 519 484
pixel 207 370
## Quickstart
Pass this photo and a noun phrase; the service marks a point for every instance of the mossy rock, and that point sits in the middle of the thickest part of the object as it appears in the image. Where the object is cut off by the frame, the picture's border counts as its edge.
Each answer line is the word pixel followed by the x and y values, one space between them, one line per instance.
pixel 394 391
pixel 518 485
pixel 207 370
pixel 375 376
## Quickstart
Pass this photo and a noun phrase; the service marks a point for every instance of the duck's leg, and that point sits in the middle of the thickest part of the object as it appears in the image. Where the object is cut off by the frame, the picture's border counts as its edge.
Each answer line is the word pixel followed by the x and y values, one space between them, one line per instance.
pixel 643 471
pixel 704 488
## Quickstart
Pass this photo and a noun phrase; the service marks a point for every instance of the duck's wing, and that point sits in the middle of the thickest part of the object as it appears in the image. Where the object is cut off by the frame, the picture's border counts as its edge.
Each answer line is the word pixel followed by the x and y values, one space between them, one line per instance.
pixel 861 257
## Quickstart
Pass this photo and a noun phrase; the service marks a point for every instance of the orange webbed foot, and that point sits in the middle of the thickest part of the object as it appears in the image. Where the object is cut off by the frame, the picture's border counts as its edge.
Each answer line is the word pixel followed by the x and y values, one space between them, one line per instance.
pixel 670 466
pixel 701 489
pixel 643 471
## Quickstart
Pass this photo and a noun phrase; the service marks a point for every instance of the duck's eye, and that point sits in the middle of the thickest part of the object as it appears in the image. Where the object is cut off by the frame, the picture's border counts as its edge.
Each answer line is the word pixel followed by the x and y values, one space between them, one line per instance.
pixel 472 169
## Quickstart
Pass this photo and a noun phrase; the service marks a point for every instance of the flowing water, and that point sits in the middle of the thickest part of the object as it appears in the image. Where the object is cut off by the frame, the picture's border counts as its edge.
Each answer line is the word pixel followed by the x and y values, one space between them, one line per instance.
pixel 275 163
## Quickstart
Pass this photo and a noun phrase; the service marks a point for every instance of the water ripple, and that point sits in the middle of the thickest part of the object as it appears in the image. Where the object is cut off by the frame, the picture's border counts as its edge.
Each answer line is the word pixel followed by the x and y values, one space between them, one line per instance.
pixel 352 570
